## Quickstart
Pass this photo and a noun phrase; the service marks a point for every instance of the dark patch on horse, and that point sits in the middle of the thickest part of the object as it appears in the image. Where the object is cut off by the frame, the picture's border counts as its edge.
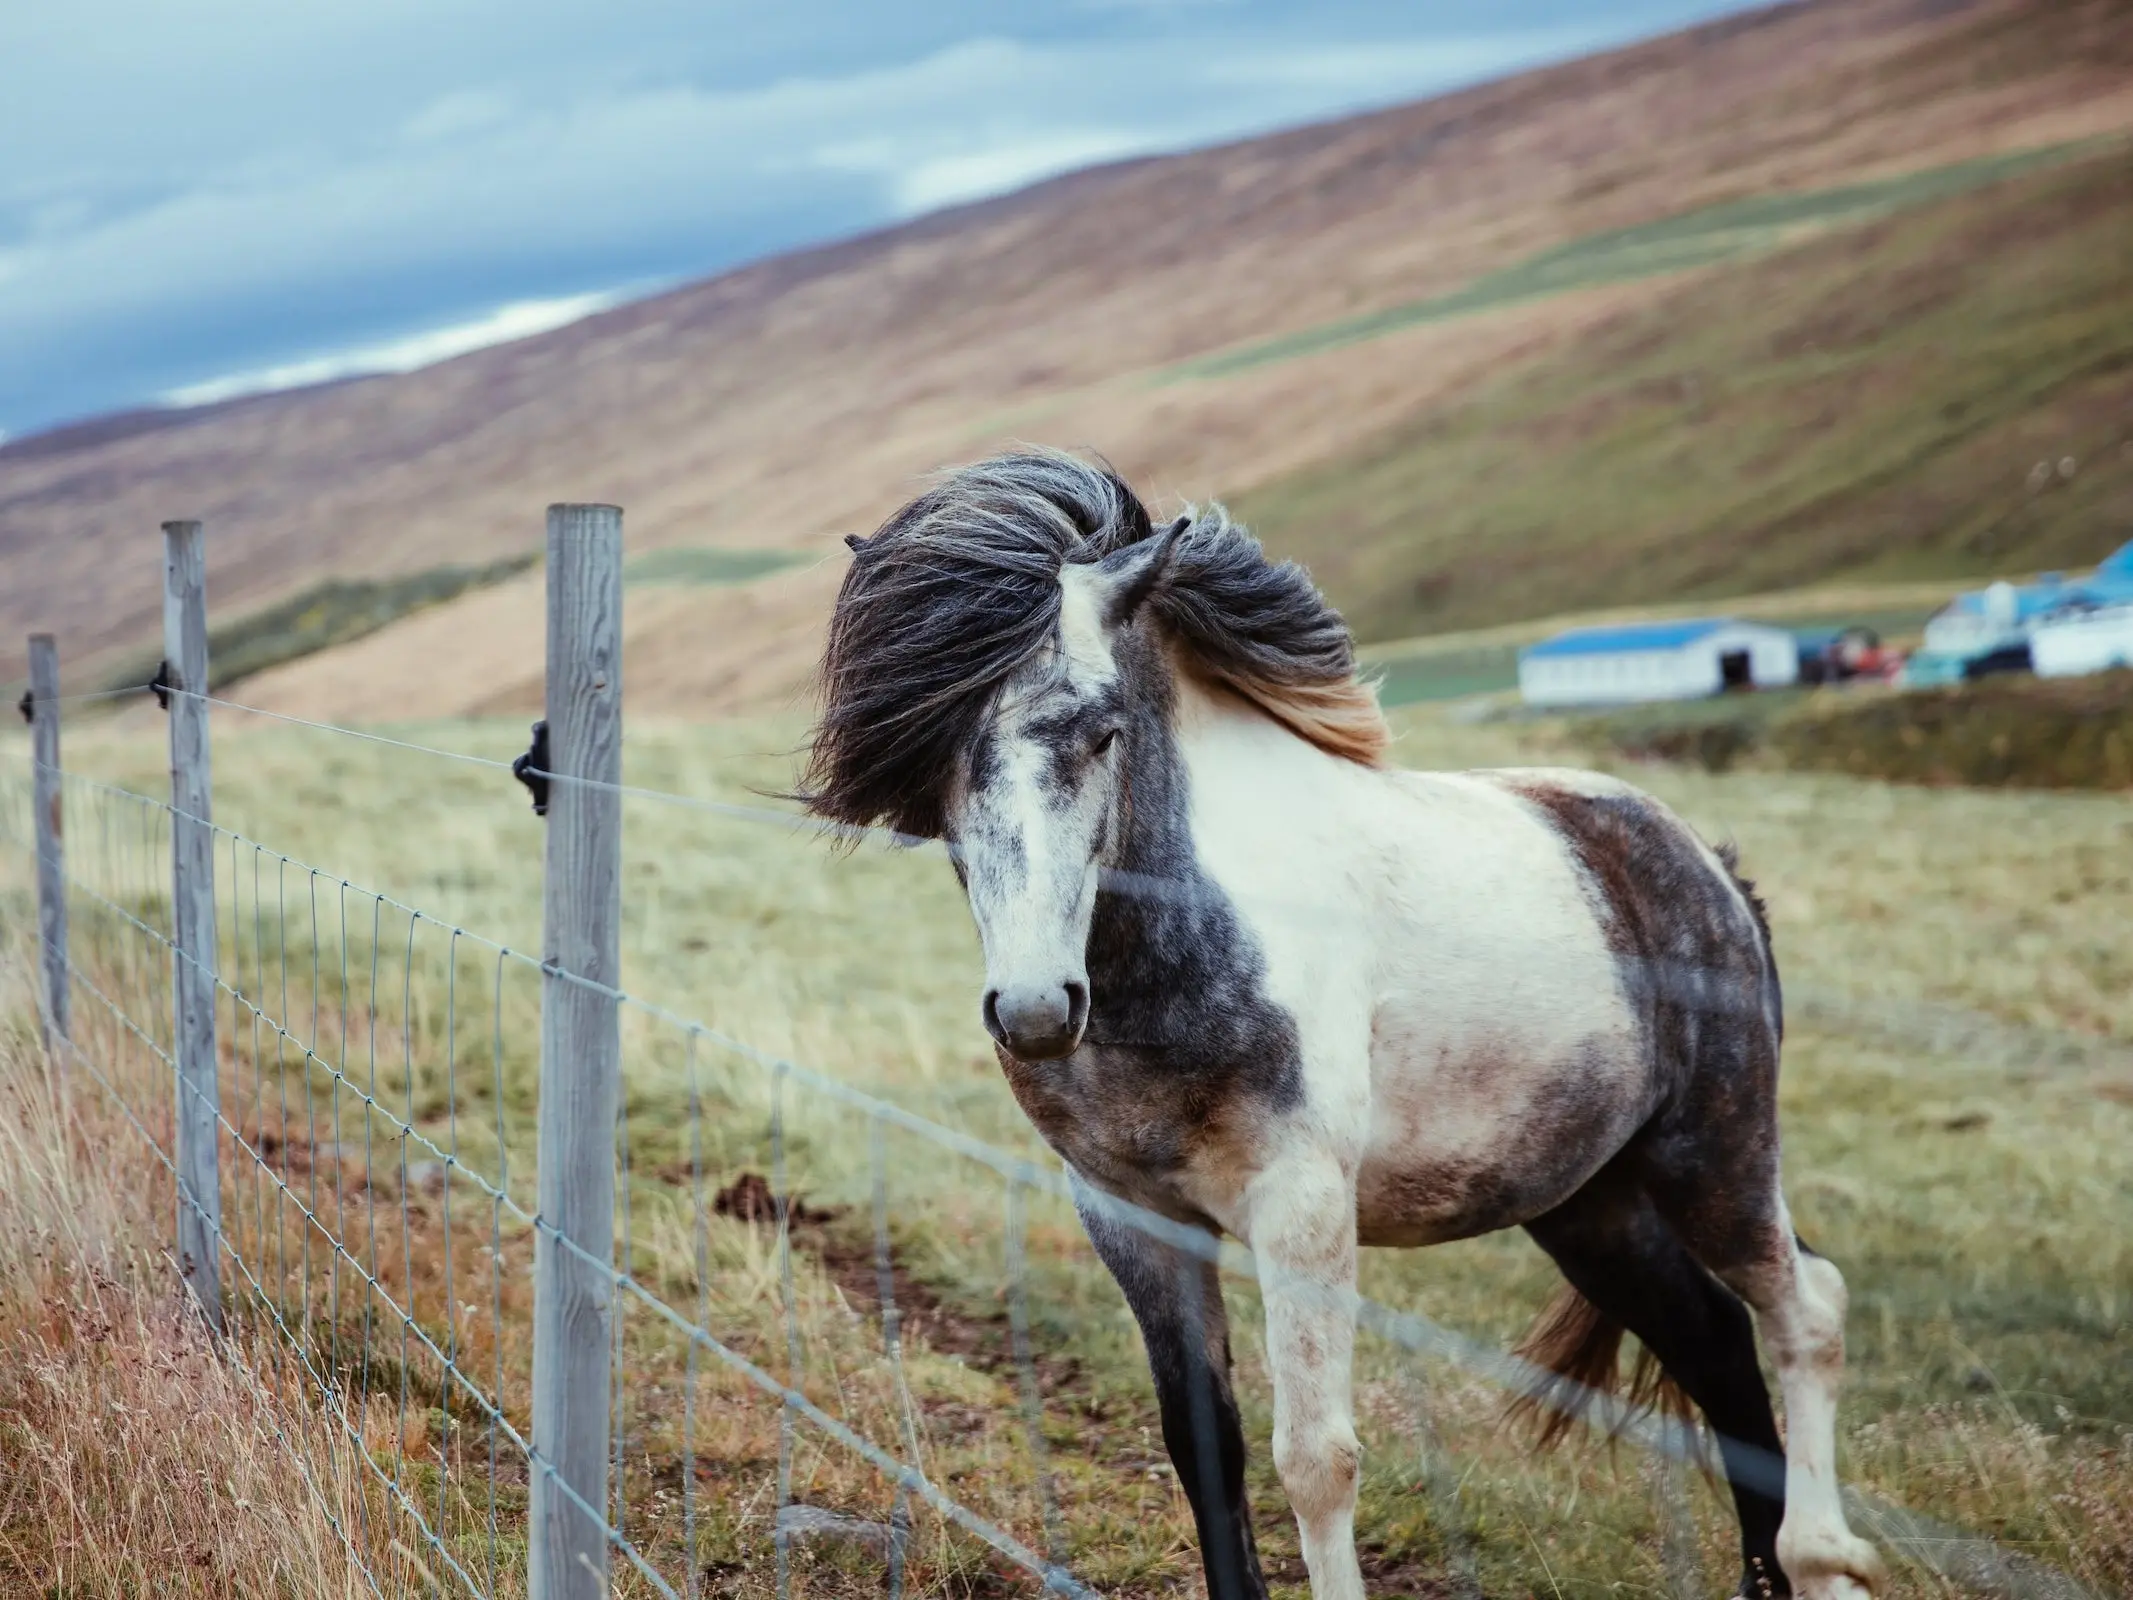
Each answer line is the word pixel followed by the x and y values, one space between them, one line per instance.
pixel 1695 1191
pixel 1177 1303
pixel 1551 1147
pixel 1729 854
pixel 1184 1053
pixel 1697 973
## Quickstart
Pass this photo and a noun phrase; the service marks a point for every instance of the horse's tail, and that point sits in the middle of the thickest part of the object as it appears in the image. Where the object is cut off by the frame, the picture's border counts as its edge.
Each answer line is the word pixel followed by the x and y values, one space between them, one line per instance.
pixel 1577 1348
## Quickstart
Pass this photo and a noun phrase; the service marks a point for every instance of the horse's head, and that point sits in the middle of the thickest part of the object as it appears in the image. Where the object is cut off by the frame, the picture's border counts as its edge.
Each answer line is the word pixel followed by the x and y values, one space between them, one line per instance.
pixel 1035 806
pixel 994 675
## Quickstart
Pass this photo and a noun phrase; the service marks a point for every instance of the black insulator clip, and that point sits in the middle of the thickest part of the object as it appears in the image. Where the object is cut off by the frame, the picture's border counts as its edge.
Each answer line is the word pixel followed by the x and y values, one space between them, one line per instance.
pixel 531 769
pixel 27 705
pixel 159 685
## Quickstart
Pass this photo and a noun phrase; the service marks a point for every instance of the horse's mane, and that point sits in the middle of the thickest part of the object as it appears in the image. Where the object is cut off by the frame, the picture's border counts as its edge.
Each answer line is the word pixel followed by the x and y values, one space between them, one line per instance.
pixel 960 587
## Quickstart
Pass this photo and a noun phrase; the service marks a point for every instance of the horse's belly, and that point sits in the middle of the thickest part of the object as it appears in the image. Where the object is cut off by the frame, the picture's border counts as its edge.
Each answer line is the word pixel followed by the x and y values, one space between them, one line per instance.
pixel 1483 1141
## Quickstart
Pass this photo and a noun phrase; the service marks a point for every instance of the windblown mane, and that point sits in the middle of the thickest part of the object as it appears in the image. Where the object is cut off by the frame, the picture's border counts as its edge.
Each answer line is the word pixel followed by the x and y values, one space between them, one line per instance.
pixel 959 588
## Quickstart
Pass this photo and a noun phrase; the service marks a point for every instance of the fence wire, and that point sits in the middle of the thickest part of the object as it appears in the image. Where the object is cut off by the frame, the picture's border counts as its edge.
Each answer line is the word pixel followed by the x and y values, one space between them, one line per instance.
pixel 797 1404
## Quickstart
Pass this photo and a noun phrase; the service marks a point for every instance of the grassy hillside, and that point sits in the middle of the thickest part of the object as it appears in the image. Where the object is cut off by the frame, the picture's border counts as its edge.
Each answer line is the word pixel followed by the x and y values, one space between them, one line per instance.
pixel 1699 238
pixel 1392 262
pixel 1872 404
pixel 334 612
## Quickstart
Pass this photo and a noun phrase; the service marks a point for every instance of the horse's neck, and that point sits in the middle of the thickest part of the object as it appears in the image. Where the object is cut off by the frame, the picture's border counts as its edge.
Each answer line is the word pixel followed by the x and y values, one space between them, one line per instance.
pixel 1161 894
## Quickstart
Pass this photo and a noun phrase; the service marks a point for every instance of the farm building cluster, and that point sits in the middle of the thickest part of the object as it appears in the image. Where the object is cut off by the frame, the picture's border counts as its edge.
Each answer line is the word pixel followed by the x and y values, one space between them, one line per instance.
pixel 2055 627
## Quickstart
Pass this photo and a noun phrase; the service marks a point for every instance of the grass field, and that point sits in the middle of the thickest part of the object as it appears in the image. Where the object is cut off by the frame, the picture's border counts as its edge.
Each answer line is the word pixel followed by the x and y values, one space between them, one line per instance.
pixel 1958 1099
pixel 1866 406
pixel 689 564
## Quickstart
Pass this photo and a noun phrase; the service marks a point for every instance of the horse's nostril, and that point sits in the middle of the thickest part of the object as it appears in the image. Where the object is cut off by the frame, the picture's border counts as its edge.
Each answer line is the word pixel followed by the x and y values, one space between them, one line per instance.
pixel 1077 1006
pixel 989 1009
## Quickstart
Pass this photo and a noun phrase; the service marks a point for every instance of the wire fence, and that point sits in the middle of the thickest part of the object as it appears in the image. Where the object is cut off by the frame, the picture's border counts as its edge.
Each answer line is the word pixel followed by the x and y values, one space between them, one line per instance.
pixel 847 1343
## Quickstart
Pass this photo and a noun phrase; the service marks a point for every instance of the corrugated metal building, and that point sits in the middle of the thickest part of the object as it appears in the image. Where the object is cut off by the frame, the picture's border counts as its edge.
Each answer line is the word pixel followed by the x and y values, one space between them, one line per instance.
pixel 2067 627
pixel 1656 661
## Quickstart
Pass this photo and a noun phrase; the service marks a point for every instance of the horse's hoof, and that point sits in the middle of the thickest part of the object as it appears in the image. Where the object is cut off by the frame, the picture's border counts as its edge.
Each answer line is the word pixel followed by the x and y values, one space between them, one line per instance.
pixel 1844 1568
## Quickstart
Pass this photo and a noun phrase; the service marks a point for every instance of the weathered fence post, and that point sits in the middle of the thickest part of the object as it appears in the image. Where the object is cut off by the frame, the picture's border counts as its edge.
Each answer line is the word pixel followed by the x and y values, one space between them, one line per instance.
pixel 51 831
pixel 581 1055
pixel 192 918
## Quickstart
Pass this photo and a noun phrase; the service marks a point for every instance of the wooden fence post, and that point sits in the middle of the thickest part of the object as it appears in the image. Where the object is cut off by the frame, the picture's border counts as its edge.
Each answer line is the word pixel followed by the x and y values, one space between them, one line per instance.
pixel 581 1055
pixel 51 841
pixel 192 919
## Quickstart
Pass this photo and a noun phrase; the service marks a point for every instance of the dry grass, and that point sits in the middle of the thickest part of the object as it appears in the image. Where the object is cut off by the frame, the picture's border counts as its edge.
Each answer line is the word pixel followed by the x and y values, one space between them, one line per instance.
pixel 135 1457
pixel 1958 1097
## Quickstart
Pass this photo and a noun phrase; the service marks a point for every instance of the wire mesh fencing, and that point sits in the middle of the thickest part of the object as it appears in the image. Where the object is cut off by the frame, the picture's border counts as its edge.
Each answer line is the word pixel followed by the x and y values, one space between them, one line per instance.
pixel 797 1402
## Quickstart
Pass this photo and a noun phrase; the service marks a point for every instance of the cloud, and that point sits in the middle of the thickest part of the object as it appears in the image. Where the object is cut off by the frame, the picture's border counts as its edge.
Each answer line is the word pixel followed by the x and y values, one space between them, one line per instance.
pixel 920 180
pixel 1389 67
pixel 519 320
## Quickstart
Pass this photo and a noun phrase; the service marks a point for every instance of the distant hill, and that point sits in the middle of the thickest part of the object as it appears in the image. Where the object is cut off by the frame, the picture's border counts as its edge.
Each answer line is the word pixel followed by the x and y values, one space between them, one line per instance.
pixel 1944 392
pixel 1676 319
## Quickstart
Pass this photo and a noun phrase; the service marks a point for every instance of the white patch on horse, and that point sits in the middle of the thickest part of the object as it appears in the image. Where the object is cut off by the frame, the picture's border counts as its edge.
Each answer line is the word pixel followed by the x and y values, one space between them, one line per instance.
pixel 1434 944
pixel 1432 941
pixel 1084 644
pixel 1800 1302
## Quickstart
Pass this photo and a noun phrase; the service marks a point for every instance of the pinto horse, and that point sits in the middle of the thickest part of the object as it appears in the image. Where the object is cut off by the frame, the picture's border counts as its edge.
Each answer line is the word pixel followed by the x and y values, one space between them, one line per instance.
pixel 1241 972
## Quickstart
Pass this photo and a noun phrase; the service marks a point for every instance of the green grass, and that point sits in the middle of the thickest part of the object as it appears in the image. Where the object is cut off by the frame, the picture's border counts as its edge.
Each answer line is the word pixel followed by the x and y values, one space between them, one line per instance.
pixel 1698 238
pixel 692 565
pixel 1445 675
pixel 322 616
pixel 1866 406
pixel 1958 1098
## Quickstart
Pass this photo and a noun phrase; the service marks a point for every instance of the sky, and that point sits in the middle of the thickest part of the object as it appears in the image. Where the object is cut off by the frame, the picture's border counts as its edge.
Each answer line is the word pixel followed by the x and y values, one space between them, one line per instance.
pixel 205 198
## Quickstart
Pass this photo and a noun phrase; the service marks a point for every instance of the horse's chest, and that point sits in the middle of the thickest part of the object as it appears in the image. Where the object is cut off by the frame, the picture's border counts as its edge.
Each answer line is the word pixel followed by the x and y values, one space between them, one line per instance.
pixel 1178 1141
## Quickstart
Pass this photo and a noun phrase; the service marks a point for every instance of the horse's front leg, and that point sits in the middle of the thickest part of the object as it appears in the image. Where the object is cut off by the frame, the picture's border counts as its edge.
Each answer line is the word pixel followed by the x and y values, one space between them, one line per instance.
pixel 1303 1234
pixel 1177 1300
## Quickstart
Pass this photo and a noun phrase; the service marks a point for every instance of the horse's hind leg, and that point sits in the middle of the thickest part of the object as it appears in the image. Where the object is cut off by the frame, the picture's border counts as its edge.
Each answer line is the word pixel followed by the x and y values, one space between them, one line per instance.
pixel 1799 1302
pixel 1740 1229
pixel 1624 1259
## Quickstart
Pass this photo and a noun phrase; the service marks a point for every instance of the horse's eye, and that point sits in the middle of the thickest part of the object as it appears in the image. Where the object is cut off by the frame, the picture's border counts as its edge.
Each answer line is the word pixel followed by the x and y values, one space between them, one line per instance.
pixel 1110 737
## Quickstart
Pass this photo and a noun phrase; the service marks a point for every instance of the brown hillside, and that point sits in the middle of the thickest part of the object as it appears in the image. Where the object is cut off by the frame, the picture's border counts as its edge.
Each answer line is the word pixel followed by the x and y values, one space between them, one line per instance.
pixel 786 402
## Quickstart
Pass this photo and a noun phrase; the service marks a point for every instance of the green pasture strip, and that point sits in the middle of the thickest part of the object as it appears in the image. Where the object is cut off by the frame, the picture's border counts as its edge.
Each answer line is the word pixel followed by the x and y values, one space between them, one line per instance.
pixel 692 565
pixel 329 613
pixel 1698 238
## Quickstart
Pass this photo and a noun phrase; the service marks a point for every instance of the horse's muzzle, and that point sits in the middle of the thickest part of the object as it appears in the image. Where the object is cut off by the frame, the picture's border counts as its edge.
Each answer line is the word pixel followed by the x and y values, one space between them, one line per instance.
pixel 1037 1022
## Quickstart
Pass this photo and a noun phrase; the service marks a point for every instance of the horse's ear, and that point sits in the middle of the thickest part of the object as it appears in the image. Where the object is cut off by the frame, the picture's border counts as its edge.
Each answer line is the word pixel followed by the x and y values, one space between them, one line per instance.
pixel 1136 572
pixel 855 542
